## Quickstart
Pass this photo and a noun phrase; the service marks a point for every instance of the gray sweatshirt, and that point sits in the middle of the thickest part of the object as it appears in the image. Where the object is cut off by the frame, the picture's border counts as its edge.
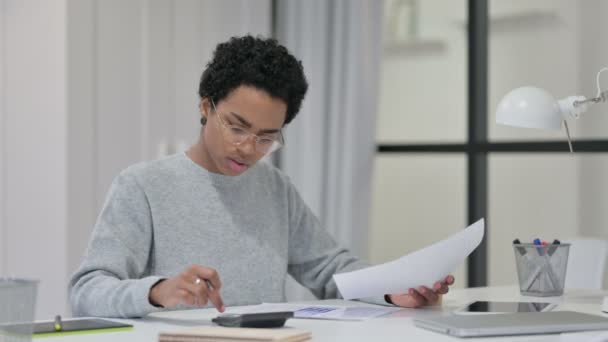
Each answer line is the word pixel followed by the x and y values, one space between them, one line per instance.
pixel 162 216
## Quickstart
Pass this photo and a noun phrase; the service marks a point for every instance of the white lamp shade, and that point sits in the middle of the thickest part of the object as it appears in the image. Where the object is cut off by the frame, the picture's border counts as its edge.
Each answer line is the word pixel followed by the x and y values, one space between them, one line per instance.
pixel 529 107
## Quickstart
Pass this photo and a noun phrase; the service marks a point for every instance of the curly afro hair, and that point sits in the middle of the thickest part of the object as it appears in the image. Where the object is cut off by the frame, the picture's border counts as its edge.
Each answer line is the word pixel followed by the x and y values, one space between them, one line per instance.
pixel 258 62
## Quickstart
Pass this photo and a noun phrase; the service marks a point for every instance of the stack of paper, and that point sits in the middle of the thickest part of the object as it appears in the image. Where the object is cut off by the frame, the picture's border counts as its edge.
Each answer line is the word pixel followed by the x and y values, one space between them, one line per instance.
pixel 208 334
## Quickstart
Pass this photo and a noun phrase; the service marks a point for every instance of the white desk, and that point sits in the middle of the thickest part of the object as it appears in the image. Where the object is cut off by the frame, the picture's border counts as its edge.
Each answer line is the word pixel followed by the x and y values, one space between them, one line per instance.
pixel 394 327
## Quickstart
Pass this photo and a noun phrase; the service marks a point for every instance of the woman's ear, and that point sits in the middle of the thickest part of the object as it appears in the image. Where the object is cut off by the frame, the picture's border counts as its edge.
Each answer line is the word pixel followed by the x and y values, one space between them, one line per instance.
pixel 203 106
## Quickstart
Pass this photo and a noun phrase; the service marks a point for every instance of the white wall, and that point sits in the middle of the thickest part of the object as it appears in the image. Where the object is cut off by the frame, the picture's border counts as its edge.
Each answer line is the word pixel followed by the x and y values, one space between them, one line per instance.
pixel 593 52
pixel 408 190
pixel 82 133
pixel 2 144
pixel 35 155
pixel 594 124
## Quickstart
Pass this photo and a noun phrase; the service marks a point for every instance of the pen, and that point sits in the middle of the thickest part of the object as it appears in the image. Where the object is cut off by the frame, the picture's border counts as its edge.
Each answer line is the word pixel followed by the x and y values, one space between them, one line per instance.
pixel 58 325
pixel 537 243
pixel 521 250
pixel 554 246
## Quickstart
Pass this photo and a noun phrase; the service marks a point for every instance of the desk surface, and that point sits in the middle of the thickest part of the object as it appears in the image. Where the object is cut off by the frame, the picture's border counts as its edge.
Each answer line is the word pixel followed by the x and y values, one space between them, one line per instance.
pixel 392 327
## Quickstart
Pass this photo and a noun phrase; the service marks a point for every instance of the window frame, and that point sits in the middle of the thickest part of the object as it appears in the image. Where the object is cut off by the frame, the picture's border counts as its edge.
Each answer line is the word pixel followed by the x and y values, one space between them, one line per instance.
pixel 477 146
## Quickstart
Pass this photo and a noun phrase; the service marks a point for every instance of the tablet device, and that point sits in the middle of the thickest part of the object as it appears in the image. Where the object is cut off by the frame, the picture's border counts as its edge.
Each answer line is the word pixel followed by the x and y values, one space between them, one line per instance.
pixel 78 325
pixel 525 323
pixel 71 326
pixel 485 307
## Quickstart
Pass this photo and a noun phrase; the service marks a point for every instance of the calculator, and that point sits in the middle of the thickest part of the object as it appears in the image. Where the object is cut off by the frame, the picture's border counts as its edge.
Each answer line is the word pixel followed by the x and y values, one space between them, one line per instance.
pixel 254 320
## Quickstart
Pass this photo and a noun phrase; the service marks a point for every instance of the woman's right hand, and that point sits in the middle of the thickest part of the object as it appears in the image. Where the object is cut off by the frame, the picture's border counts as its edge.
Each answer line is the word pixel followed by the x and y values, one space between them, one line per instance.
pixel 194 286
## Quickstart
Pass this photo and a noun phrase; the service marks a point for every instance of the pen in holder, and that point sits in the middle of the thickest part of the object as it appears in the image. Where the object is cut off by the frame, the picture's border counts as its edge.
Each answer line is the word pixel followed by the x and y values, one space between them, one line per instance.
pixel 541 269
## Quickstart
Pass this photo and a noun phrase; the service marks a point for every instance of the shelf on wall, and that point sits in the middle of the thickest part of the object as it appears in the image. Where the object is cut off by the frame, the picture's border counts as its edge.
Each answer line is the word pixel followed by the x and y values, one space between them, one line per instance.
pixel 414 47
pixel 522 20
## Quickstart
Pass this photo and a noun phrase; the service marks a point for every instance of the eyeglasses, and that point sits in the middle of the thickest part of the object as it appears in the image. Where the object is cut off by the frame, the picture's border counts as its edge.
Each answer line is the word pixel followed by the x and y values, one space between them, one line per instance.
pixel 237 135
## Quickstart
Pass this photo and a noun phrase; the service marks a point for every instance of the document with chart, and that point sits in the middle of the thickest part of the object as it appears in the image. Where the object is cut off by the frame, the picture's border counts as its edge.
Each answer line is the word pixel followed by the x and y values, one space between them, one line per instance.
pixel 421 268
pixel 332 312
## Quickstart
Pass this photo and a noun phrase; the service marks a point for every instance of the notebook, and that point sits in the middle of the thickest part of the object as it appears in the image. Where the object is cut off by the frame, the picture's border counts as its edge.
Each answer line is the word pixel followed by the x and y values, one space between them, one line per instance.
pixel 527 323
pixel 213 333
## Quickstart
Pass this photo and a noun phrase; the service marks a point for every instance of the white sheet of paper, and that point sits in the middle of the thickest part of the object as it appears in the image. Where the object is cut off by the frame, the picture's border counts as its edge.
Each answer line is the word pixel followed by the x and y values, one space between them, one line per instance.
pixel 343 313
pixel 421 268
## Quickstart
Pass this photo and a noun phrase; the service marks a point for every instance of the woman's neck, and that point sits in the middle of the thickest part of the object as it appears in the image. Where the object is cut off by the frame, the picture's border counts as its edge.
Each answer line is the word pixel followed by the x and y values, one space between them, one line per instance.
pixel 199 154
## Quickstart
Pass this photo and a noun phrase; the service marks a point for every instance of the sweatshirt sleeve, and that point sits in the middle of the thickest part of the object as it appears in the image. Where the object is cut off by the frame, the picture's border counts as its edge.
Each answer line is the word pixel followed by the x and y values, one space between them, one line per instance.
pixel 314 256
pixel 112 281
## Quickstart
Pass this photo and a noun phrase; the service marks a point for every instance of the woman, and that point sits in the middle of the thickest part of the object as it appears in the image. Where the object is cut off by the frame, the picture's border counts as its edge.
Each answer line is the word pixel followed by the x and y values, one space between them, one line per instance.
pixel 212 224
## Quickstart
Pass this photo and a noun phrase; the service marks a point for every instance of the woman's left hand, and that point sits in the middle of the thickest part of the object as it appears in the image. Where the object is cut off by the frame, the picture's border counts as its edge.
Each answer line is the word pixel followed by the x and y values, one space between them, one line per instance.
pixel 423 296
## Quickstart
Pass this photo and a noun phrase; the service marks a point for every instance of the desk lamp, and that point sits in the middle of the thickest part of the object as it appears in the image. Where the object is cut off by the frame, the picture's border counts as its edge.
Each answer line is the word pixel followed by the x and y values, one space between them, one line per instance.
pixel 533 107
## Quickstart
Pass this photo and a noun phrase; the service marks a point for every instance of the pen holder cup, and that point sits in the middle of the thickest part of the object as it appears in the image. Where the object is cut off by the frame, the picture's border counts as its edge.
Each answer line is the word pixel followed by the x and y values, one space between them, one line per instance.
pixel 541 269
pixel 17 304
